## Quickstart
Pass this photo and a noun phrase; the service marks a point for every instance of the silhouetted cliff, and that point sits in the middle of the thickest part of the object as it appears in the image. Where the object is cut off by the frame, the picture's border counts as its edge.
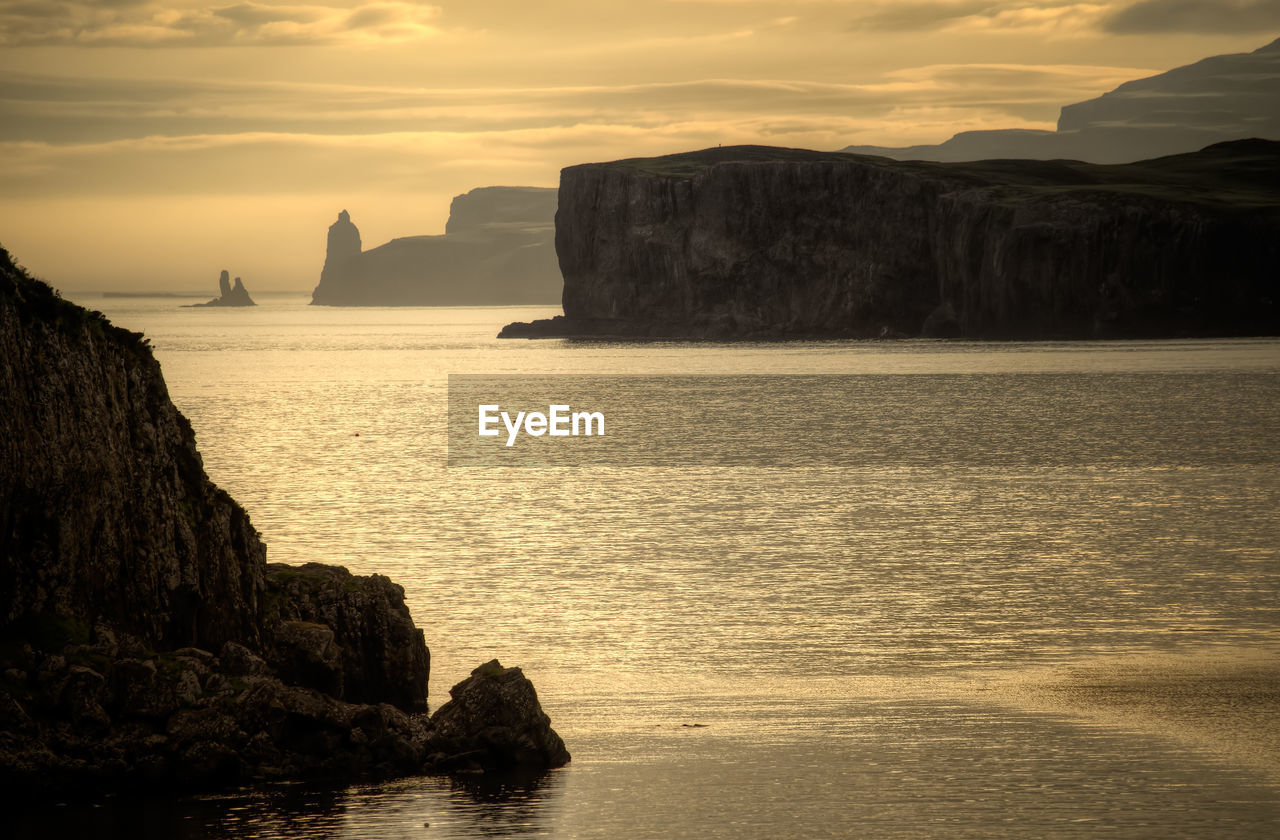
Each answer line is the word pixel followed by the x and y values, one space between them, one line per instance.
pixel 498 248
pixel 144 641
pixel 1217 99
pixel 762 242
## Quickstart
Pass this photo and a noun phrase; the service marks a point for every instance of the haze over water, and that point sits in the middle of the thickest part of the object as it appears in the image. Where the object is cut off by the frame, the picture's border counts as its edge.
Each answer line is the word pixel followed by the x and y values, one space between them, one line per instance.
pixel 757 653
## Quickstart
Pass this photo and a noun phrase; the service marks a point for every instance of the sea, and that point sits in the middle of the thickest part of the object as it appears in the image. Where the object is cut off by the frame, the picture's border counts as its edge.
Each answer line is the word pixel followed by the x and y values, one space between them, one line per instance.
pixel 772 650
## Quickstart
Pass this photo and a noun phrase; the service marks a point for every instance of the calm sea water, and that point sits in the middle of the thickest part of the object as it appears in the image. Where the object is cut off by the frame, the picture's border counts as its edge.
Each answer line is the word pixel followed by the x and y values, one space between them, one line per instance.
pixel 760 653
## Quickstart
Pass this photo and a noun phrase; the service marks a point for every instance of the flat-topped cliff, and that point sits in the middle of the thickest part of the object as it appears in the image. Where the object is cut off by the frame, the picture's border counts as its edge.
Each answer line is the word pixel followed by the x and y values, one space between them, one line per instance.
pixel 762 242
pixel 144 640
pixel 498 248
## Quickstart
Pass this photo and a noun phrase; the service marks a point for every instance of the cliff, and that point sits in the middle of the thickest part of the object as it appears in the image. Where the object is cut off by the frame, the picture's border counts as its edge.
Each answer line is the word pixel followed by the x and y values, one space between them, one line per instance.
pixel 498 248
pixel 229 295
pixel 144 641
pixel 1217 99
pixel 762 242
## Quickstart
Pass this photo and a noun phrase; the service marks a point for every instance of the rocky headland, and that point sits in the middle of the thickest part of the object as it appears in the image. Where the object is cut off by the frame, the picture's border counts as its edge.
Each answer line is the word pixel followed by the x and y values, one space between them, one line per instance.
pixel 758 242
pixel 498 248
pixel 228 294
pixel 144 640
pixel 1217 99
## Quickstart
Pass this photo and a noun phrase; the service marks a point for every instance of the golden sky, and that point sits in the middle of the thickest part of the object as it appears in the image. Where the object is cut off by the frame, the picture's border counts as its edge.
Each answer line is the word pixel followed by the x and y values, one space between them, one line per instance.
pixel 149 145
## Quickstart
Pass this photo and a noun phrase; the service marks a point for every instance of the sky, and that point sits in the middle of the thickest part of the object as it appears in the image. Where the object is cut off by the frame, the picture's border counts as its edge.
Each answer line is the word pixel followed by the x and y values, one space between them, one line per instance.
pixel 148 145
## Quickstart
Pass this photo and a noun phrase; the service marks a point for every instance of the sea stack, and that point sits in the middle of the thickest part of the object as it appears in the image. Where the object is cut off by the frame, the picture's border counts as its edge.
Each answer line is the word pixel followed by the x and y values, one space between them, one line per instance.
pixel 144 641
pixel 342 252
pixel 228 294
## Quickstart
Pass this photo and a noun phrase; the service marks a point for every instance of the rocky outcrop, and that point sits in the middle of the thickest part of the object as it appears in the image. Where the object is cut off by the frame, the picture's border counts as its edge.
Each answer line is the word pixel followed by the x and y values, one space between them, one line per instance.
pixel 754 242
pixel 229 295
pixel 384 656
pixel 498 248
pixel 1221 98
pixel 144 641
pixel 493 722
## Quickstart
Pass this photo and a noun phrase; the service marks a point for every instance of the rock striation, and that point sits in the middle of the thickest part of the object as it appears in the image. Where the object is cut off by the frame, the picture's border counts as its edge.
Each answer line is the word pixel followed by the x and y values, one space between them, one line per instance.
pixel 1217 99
pixel 144 640
pixel 498 248
pixel 757 242
pixel 229 295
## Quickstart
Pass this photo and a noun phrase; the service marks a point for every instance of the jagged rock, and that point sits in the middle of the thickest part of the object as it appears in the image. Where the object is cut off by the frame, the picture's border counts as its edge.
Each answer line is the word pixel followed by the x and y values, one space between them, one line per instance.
pixel 383 657
pixel 756 242
pixel 238 661
pixel 303 653
pixel 498 248
pixel 493 722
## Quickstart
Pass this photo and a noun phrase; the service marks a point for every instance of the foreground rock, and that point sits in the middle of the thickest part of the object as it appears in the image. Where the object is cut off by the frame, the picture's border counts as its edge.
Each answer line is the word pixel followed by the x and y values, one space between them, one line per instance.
pixel 498 248
pixel 493 722
pixel 229 295
pixel 144 641
pixel 757 242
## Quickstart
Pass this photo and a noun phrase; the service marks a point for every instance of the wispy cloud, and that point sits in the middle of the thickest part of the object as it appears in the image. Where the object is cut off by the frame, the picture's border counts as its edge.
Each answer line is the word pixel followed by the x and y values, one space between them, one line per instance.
pixel 1018 16
pixel 149 24
pixel 71 110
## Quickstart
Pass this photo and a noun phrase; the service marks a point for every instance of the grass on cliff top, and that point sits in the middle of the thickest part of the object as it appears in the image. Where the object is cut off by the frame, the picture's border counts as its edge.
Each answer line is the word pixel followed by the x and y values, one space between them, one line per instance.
pixel 37 300
pixel 1243 173
pixel 686 164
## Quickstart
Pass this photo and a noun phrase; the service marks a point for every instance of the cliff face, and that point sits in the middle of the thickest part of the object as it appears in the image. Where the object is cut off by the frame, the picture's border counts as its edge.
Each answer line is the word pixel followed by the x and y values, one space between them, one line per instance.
pixel 103 495
pixel 752 241
pixel 143 639
pixel 498 248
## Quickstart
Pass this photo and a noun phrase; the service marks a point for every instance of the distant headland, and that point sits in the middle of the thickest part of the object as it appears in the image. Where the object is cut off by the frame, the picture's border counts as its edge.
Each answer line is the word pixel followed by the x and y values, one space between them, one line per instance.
pixel 1217 99
pixel 498 248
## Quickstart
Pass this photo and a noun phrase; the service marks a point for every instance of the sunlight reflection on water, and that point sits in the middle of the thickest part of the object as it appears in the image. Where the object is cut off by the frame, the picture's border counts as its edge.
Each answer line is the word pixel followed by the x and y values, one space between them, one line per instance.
pixel 817 619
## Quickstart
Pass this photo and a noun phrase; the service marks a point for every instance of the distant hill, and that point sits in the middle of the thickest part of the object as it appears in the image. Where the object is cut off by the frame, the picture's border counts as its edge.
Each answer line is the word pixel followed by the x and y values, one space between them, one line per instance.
pixel 1226 97
pixel 498 248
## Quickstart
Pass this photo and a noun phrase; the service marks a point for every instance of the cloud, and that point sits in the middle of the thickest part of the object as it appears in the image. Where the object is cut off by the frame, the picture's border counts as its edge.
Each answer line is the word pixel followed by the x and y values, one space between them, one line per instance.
pixel 62 110
pixel 145 23
pixel 1194 16
pixel 1063 16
